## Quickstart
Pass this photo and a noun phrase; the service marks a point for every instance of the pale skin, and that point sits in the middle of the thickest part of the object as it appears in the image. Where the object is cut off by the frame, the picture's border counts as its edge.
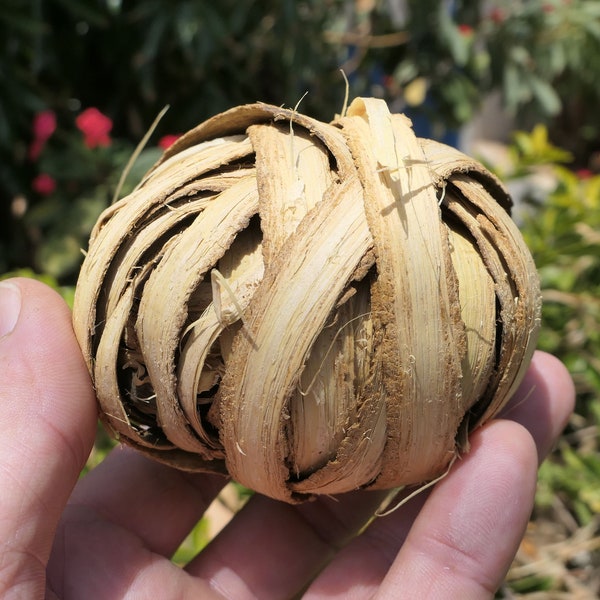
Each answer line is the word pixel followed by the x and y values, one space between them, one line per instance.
pixel 110 535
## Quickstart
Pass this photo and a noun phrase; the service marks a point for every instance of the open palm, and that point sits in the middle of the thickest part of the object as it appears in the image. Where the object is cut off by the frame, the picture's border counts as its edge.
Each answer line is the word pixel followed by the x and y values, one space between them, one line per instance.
pixel 111 534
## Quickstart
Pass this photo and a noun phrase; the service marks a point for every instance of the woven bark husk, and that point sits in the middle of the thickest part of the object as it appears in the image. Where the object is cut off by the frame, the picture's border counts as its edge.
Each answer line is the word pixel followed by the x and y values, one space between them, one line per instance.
pixel 310 308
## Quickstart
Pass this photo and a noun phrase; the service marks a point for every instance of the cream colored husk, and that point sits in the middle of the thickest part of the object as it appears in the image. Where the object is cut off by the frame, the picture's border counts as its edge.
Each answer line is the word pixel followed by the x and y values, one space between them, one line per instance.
pixel 310 308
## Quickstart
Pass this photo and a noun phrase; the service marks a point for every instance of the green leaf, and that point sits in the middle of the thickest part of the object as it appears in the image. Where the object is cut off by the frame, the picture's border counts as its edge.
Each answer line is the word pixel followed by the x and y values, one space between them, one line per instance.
pixel 545 95
pixel 195 541
pixel 458 43
pixel 515 90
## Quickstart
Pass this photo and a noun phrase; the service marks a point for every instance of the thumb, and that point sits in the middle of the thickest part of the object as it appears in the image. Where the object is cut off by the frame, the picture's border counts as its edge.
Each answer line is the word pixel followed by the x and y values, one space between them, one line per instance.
pixel 47 427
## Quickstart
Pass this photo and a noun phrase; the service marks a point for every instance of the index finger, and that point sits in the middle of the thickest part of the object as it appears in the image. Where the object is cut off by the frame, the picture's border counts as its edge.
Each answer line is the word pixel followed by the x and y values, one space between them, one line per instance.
pixel 544 401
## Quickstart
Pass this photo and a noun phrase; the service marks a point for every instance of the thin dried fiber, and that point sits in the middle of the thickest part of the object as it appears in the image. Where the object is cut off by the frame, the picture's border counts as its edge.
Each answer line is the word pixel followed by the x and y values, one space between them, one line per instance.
pixel 310 308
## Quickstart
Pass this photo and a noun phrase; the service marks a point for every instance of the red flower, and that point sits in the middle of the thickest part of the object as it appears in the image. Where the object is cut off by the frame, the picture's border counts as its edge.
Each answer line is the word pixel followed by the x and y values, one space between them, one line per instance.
pixel 167 140
pixel 584 173
pixel 44 184
pixel 44 125
pixel 95 127
pixel 465 29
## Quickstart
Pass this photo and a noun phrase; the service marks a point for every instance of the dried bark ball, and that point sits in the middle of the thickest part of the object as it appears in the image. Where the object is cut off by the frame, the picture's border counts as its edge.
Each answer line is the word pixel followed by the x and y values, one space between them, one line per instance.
pixel 309 307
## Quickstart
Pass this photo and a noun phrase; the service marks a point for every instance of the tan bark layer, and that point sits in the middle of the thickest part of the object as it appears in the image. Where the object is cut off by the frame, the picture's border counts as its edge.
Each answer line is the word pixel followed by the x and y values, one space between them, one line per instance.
pixel 311 308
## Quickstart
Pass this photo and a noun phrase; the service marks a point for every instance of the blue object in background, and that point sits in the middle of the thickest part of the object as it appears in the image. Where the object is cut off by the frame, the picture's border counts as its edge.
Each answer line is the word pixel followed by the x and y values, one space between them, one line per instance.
pixel 423 128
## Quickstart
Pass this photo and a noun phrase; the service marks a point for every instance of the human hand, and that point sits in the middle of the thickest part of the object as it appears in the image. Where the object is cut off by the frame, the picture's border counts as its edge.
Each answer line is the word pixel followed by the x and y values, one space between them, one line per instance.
pixel 111 534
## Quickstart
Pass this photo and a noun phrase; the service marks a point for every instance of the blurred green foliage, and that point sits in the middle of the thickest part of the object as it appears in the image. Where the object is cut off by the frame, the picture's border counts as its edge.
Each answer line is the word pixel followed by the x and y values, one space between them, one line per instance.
pixel 130 59
pixel 563 233
pixel 543 56
pixel 433 58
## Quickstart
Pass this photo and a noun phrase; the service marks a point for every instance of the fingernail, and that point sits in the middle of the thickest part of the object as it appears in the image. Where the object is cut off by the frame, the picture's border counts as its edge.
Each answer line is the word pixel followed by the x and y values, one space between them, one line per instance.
pixel 10 307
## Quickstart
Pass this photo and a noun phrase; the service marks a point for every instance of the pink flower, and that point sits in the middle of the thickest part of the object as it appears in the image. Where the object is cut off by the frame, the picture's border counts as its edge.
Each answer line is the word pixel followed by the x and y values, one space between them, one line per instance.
pixel 584 173
pixel 95 127
pixel 44 125
pixel 167 140
pixel 44 184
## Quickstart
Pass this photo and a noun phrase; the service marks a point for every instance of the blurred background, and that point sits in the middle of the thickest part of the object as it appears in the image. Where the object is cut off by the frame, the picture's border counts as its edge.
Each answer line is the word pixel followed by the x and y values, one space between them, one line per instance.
pixel 513 82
